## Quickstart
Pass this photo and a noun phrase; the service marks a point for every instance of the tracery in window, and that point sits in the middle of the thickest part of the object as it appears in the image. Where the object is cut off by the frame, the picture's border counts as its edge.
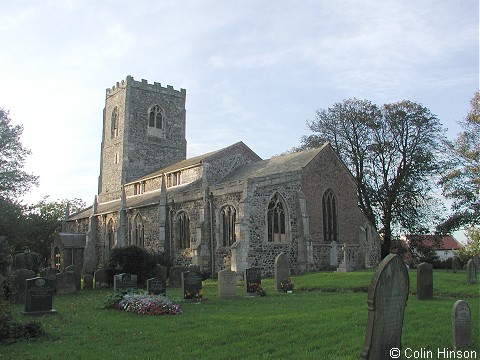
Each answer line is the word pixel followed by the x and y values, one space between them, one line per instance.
pixel 155 117
pixel 329 209
pixel 276 220
pixel 138 231
pixel 114 122
pixel 228 218
pixel 110 234
pixel 183 230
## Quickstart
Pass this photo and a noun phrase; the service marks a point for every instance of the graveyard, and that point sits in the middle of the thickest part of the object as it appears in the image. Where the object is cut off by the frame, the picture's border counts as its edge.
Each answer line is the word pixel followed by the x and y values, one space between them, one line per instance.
pixel 324 317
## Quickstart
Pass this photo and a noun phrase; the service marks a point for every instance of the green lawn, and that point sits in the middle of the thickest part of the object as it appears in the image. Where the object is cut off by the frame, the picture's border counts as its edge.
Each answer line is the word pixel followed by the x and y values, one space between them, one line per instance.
pixel 326 322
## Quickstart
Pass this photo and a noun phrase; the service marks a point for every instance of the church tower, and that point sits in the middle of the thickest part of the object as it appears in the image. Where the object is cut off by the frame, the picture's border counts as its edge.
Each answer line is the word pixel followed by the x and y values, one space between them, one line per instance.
pixel 143 130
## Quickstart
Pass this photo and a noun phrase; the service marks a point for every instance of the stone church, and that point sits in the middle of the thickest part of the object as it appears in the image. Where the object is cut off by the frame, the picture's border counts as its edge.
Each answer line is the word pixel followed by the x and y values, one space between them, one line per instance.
pixel 224 209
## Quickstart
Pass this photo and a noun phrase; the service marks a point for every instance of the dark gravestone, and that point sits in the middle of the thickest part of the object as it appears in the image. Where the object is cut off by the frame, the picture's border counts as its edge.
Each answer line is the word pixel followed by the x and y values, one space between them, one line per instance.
pixel 456 264
pixel 227 284
pixel 191 286
pixel 282 271
pixel 175 276
pixel 124 281
pixel 424 281
pixel 102 279
pixel 39 297
pixel 51 274
pixel 160 272
pixel 20 278
pixel 88 282
pixel 76 274
pixel 65 283
pixel 461 325
pixel 387 297
pixel 471 272
pixel 157 286
pixel 253 281
pixel 27 260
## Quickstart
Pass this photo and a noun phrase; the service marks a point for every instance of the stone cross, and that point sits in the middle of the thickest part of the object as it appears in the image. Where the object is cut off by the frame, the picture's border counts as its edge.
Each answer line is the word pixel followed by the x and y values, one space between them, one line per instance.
pixel 424 281
pixel 461 325
pixel 387 297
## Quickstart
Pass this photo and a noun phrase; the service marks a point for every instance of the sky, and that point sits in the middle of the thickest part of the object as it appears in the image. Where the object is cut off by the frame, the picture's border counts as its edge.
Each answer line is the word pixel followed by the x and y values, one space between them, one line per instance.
pixel 254 71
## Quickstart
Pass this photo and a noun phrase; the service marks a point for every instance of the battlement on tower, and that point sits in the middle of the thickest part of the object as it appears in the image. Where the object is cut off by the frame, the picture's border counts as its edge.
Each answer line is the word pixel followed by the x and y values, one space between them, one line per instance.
pixel 144 85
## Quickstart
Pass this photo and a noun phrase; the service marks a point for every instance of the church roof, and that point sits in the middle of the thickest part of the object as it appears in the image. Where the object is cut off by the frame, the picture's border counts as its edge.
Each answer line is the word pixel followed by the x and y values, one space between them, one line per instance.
pixel 73 240
pixel 275 165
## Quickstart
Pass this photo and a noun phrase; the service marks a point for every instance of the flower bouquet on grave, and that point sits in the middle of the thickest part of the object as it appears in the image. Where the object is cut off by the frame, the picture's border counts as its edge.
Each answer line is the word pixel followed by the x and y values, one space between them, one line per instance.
pixel 254 288
pixel 144 304
pixel 287 285
pixel 197 295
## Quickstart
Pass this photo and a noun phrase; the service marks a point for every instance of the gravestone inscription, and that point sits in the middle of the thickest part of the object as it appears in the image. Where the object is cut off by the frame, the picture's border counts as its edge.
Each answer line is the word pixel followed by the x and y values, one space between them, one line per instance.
pixel 102 279
pixel 387 297
pixel 191 286
pixel 227 284
pixel 39 297
pixel 471 272
pixel 424 281
pixel 157 286
pixel 461 325
pixel 282 271
pixel 253 281
pixel 124 281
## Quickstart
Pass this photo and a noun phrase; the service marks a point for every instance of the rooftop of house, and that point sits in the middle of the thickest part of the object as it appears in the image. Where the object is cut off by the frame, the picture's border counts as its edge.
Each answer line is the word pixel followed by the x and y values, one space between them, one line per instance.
pixel 445 242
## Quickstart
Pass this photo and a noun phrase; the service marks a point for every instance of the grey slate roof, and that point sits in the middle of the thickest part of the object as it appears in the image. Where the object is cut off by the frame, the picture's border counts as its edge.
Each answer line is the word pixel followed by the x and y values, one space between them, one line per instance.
pixel 73 240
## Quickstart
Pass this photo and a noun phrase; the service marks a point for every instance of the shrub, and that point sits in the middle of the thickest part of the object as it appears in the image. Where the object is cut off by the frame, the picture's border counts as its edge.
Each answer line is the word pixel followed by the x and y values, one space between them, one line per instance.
pixel 133 260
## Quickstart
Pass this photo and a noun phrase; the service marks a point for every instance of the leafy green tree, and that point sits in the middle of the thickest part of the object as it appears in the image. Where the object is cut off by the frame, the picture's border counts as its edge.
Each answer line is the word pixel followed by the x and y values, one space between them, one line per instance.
pixel 14 181
pixel 394 154
pixel 472 247
pixel 462 183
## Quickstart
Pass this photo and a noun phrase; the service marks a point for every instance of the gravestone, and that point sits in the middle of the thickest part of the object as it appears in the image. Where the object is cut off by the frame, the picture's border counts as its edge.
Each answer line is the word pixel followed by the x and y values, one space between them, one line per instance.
pixel 191 286
pixel 157 286
pixel 476 259
pixel 21 277
pixel 76 274
pixel 102 279
pixel 461 325
pixel 65 283
pixel 333 254
pixel 124 281
pixel 387 297
pixel 253 280
pixel 471 272
pixel 282 270
pixel 227 284
pixel 195 268
pixel 27 260
pixel 424 281
pixel 88 282
pixel 175 276
pixel 456 264
pixel 39 297
pixel 51 274
pixel 160 272
pixel 348 262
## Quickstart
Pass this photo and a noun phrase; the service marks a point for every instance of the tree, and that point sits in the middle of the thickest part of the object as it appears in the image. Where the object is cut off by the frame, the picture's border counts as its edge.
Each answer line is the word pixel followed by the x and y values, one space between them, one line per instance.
pixel 462 183
pixel 14 181
pixel 393 153
pixel 472 247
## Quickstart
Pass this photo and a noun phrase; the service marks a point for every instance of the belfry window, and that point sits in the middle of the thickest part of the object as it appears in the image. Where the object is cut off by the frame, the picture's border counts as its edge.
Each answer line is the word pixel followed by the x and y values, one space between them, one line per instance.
pixel 228 217
pixel 276 222
pixel 155 117
pixel 138 188
pixel 329 209
pixel 183 230
pixel 114 123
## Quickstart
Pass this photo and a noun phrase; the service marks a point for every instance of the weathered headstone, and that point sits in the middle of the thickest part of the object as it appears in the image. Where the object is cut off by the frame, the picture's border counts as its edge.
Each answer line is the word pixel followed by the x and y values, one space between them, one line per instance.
pixel 21 276
pixel 65 283
pixel 39 297
pixel 471 272
pixel 175 276
pixel 333 254
pixel 195 268
pixel 157 286
pixel 191 286
pixel 27 260
pixel 282 270
pixel 102 279
pixel 456 264
pixel 227 284
pixel 124 281
pixel 88 282
pixel 253 280
pixel 424 281
pixel 76 274
pixel 387 297
pixel 461 325
pixel 160 272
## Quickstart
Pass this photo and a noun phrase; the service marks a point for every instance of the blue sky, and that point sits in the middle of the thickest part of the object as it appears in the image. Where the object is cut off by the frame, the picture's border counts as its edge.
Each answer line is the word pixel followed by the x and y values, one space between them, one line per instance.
pixel 254 71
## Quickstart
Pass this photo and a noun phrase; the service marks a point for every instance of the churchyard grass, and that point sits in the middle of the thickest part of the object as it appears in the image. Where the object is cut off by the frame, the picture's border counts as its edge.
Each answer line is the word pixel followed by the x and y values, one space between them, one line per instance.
pixel 326 323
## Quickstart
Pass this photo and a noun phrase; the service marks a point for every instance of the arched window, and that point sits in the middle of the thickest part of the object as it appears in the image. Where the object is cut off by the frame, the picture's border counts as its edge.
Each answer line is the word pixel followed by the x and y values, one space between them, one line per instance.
pixel 276 222
pixel 57 257
pixel 329 208
pixel 111 234
pixel 227 218
pixel 183 230
pixel 155 117
pixel 114 126
pixel 138 231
